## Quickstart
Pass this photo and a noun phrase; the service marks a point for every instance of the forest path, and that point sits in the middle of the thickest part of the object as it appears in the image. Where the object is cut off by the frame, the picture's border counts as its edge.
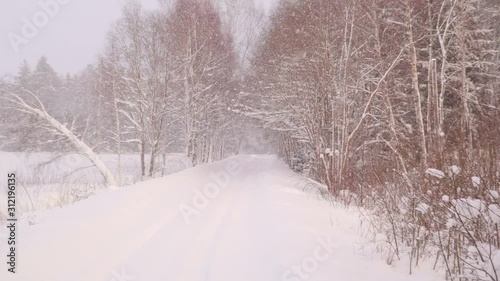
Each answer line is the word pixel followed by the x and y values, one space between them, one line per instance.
pixel 245 218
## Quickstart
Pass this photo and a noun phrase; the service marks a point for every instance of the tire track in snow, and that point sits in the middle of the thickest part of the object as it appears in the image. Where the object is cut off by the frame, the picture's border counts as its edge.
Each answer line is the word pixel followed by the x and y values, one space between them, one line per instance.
pixel 247 234
pixel 133 238
pixel 119 254
pixel 196 257
pixel 219 234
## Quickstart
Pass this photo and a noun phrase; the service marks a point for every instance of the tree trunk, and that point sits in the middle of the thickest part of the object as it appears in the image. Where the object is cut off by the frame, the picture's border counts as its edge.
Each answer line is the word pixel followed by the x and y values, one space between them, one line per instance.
pixel 77 143
pixel 415 86
pixel 152 160
pixel 142 147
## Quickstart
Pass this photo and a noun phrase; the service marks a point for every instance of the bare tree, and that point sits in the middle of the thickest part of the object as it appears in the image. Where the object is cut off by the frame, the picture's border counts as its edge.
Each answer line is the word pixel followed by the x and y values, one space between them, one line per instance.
pixel 56 128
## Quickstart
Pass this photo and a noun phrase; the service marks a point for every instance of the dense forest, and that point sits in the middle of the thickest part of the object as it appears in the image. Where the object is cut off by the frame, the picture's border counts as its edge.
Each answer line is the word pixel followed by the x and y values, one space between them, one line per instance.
pixel 393 105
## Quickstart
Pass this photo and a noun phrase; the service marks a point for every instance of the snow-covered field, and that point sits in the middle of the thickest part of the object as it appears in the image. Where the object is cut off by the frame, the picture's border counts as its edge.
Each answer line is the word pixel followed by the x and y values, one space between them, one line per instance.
pixel 46 180
pixel 246 218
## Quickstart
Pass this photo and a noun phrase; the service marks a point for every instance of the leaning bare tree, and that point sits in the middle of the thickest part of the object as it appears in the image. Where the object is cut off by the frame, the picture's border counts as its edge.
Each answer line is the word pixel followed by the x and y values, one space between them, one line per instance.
pixel 56 128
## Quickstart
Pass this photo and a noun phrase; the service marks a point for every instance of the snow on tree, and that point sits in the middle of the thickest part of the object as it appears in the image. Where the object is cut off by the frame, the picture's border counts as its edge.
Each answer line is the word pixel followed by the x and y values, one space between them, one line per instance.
pixel 56 128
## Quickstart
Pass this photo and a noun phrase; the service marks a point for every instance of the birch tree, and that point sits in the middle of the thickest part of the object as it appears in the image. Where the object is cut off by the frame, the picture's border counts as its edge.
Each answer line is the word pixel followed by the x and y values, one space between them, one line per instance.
pixel 57 128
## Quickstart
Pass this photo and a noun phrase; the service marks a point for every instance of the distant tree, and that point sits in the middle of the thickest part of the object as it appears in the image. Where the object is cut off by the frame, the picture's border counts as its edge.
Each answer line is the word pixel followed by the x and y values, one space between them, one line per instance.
pixel 206 64
pixel 24 76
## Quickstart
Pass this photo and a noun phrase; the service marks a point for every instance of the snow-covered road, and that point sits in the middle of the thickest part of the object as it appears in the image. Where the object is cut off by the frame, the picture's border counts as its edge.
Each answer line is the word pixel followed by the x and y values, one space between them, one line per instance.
pixel 244 218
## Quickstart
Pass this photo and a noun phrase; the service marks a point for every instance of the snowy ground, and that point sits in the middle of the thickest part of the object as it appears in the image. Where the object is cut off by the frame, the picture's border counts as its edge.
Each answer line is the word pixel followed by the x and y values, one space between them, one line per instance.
pixel 46 180
pixel 245 218
pixel 48 168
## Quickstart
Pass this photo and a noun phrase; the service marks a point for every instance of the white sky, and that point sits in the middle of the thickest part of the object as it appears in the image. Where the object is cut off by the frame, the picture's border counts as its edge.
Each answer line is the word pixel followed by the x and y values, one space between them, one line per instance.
pixel 72 36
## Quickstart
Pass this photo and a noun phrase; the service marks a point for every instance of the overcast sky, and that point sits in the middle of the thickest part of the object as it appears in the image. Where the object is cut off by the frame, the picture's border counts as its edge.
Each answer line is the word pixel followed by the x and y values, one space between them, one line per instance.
pixel 70 33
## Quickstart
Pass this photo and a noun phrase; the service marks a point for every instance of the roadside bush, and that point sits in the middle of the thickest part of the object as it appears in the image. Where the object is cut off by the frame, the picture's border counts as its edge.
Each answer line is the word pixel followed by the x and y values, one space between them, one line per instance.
pixel 451 217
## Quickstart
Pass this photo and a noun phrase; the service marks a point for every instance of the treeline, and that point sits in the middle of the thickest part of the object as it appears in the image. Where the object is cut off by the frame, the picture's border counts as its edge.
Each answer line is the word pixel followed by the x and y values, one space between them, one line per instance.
pixel 394 106
pixel 166 82
pixel 366 92
pixel 170 73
